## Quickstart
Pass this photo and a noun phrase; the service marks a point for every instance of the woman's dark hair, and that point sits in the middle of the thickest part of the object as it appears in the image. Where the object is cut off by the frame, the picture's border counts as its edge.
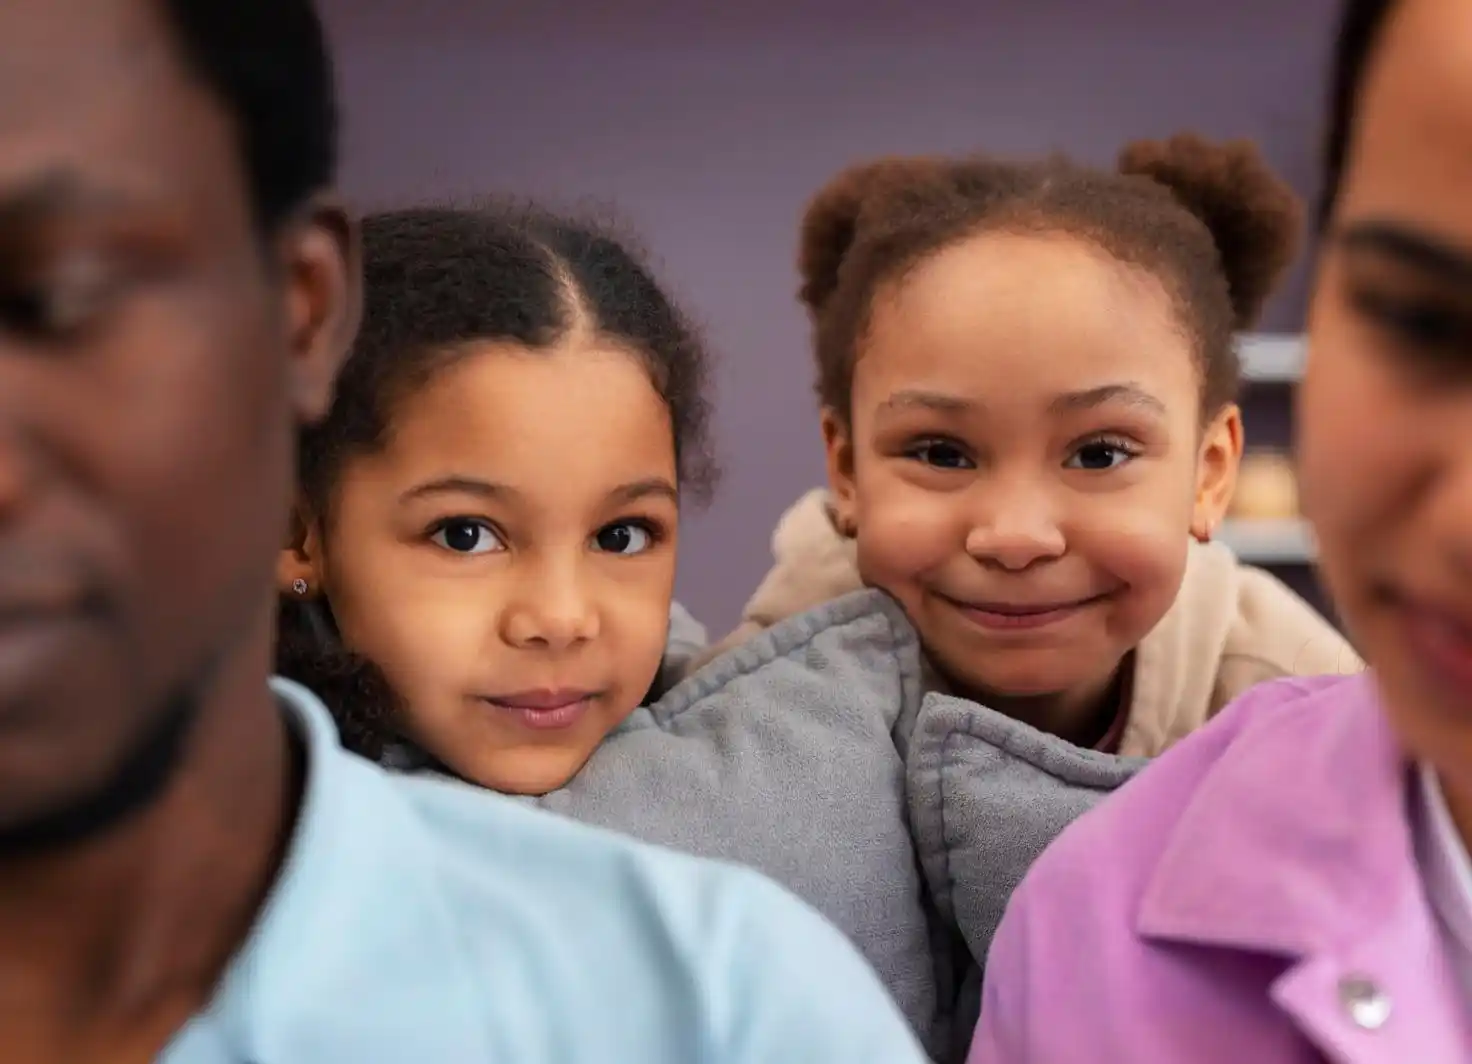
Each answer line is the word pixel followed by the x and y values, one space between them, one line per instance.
pixel 1211 222
pixel 1360 24
pixel 437 280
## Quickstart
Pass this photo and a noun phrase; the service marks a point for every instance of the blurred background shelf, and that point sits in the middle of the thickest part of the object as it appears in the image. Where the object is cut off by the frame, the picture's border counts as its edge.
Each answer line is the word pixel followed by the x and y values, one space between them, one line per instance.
pixel 1277 542
pixel 1271 358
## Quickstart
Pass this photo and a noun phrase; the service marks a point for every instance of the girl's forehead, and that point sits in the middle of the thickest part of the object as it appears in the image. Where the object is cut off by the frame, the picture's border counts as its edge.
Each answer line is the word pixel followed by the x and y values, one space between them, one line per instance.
pixel 511 381
pixel 1002 264
pixel 553 413
pixel 1019 315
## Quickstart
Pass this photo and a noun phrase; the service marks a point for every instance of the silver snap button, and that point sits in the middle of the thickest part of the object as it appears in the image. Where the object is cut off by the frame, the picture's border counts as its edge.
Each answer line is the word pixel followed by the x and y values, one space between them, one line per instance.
pixel 1367 1005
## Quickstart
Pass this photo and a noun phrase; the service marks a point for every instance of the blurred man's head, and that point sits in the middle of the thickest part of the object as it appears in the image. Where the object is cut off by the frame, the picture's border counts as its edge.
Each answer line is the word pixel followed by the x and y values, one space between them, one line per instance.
pixel 174 299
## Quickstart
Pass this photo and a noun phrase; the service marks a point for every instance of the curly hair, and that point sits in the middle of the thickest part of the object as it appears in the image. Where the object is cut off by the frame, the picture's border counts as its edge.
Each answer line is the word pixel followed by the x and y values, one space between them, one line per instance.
pixel 1210 221
pixel 435 281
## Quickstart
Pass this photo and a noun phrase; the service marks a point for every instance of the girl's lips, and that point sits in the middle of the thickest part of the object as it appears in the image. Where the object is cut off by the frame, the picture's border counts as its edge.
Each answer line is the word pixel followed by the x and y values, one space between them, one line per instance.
pixel 543 710
pixel 1017 616
pixel 553 718
pixel 541 698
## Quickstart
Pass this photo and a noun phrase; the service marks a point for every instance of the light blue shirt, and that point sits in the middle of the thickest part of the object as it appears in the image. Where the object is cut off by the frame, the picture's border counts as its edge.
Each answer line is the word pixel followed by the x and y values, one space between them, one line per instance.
pixel 420 921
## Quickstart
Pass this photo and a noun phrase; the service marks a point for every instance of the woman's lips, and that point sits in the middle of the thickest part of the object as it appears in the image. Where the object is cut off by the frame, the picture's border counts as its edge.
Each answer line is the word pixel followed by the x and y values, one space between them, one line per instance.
pixel 1441 642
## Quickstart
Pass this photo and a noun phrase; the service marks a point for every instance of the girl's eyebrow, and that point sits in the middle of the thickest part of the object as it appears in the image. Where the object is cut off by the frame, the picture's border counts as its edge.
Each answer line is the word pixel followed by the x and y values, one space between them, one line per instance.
pixel 648 487
pixel 460 484
pixel 1127 392
pixel 920 399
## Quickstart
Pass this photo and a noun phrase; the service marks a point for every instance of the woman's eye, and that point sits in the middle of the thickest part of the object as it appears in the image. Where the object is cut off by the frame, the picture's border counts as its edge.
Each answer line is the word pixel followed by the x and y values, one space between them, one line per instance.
pixel 941 455
pixel 1424 325
pixel 626 537
pixel 464 536
pixel 1099 455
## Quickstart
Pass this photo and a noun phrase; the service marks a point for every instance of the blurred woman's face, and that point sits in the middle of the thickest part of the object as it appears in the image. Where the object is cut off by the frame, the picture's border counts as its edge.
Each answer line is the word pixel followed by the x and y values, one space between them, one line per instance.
pixel 1385 410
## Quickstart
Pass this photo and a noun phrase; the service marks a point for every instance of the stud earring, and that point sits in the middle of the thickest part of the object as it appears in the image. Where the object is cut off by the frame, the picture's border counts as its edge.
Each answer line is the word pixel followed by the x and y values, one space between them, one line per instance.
pixel 299 586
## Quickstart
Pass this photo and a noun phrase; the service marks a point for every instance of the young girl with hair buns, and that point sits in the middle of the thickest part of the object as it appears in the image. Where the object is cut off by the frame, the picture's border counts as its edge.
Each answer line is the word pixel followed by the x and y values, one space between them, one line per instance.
pixel 1028 378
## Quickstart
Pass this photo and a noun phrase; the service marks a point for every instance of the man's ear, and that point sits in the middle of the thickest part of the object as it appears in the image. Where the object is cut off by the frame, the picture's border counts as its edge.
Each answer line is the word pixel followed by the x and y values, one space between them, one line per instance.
pixel 839 447
pixel 321 257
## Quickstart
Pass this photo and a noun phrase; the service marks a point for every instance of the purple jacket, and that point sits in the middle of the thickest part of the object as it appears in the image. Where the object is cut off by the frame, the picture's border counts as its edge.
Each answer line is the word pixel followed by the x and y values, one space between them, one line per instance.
pixel 1250 898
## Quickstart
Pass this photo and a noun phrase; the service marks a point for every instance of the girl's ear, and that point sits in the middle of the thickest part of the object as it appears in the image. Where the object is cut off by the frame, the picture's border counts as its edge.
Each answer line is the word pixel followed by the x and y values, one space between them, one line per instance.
pixel 1216 471
pixel 299 565
pixel 838 443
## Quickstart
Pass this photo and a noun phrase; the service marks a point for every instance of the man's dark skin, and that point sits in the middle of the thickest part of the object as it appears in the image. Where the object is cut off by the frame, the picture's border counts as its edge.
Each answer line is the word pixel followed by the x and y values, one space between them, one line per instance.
pixel 156 355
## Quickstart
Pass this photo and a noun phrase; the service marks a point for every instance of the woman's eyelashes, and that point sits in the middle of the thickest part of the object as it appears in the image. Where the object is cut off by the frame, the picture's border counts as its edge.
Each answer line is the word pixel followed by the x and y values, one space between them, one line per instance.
pixel 477 535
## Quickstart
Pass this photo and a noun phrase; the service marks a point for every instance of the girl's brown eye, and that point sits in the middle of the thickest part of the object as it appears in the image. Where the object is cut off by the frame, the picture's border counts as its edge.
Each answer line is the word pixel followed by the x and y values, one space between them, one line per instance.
pixel 1100 455
pixel 941 455
pixel 624 537
pixel 466 535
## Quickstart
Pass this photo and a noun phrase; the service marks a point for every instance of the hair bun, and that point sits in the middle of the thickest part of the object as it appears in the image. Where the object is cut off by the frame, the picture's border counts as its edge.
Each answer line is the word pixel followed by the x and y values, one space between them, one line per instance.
pixel 832 220
pixel 1252 214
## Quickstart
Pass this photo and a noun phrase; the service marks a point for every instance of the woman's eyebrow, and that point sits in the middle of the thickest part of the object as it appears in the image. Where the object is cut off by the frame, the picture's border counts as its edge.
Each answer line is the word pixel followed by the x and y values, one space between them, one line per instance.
pixel 1411 248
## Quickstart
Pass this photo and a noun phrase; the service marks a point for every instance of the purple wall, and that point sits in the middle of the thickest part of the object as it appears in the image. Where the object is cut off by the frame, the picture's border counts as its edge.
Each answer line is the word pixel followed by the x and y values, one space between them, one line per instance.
pixel 709 132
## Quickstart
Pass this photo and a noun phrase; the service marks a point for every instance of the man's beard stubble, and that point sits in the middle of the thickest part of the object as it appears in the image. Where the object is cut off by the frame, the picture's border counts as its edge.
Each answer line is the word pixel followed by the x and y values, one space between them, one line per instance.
pixel 144 774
